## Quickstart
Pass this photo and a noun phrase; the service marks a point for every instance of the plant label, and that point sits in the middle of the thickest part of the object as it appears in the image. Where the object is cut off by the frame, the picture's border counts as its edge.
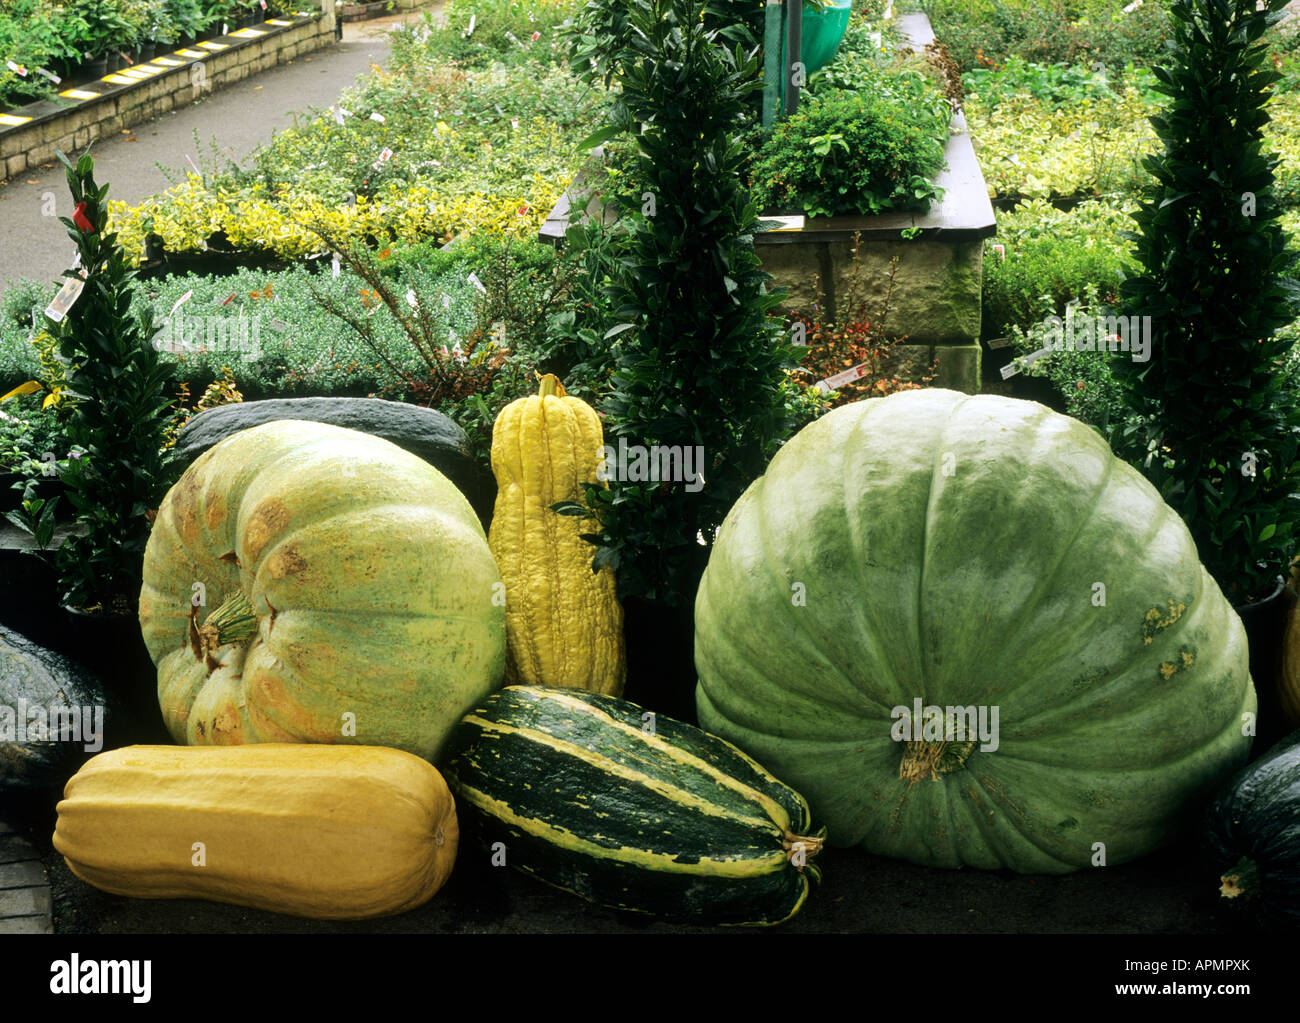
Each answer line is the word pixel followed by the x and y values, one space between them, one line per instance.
pixel 840 379
pixel 180 302
pixel 66 298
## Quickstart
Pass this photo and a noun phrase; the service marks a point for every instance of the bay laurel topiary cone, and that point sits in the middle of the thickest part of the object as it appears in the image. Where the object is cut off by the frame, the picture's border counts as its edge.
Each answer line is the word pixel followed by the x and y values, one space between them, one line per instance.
pixel 564 624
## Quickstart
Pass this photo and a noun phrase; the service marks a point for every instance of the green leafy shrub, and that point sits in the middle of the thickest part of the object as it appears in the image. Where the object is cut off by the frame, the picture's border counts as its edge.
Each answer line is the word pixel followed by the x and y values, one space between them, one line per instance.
pixel 503 30
pixel 1055 85
pixel 120 415
pixel 1044 258
pixel 699 362
pixel 488 151
pixel 1084 380
pixel 1219 436
pixel 854 152
pixel 984 33
pixel 1028 149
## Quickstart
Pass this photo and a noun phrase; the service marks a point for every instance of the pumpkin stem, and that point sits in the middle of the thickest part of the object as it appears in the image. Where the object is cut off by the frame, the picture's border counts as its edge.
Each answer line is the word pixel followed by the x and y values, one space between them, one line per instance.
pixel 549 386
pixel 233 622
pixel 810 846
pixel 1242 881
pixel 931 758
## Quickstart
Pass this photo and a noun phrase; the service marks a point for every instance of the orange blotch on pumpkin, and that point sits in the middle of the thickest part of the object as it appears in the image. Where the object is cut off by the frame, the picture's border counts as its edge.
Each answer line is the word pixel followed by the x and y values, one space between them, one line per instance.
pixel 214 511
pixel 269 518
pixel 286 561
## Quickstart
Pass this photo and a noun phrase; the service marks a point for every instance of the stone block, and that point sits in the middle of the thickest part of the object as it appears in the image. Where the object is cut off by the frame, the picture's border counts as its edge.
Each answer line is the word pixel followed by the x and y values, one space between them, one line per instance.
pixel 24 901
pixel 23 874
pixel 11 144
pixel 936 291
pixel 27 925
pixel 959 367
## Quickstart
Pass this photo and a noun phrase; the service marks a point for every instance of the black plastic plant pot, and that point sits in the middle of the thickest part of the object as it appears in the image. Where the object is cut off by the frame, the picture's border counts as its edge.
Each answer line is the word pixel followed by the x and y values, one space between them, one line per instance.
pixel 29 598
pixel 95 68
pixel 660 657
pixel 112 646
pixel 1265 623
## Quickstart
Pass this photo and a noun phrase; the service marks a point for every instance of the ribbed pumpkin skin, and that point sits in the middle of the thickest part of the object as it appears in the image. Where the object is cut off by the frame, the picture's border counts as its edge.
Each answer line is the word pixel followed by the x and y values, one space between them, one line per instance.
pixel 329 832
pixel 938 546
pixel 370 578
pixel 677 823
pixel 563 622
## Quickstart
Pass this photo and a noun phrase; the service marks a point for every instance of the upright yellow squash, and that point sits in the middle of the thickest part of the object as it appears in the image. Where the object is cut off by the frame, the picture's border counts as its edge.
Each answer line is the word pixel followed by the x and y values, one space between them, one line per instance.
pixel 330 832
pixel 564 625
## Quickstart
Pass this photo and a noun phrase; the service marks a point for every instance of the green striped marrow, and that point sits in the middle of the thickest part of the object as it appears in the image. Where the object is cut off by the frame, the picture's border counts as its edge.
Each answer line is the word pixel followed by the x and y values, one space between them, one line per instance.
pixel 631 810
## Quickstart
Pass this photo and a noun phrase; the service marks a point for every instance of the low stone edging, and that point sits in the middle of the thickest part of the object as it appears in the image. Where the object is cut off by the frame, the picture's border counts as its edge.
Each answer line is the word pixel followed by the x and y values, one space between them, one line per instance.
pixel 30 135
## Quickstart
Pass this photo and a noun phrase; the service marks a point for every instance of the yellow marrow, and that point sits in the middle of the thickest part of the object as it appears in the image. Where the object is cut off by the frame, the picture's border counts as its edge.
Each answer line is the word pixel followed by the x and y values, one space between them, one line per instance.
pixel 329 832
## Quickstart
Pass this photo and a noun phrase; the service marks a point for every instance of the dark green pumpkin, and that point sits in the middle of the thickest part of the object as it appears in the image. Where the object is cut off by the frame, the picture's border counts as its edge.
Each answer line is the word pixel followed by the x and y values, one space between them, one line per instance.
pixel 423 432
pixel 37 686
pixel 631 810
pixel 1252 839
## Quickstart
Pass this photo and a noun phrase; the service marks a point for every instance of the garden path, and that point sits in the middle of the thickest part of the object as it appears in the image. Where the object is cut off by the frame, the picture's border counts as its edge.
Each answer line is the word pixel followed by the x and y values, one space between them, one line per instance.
pixel 25 902
pixel 229 124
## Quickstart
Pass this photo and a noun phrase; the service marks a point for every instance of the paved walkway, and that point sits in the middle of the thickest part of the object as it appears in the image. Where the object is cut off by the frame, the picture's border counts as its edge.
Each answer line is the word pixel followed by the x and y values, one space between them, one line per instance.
pixel 232 122
pixel 25 904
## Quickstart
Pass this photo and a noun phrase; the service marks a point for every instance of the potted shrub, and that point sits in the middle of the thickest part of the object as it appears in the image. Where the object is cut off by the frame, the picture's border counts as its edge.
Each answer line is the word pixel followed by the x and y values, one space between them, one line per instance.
pixel 119 421
pixel 187 19
pixel 107 31
pixel 1217 421
pixel 699 363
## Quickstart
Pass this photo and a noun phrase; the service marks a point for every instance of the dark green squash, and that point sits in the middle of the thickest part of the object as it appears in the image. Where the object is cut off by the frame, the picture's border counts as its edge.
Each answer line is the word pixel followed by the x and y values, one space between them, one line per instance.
pixel 631 810
pixel 37 686
pixel 423 432
pixel 1252 839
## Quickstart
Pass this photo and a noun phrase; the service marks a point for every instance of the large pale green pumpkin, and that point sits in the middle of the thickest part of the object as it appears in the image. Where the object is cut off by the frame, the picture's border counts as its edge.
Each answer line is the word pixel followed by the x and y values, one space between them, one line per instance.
pixel 309 583
pixel 971 552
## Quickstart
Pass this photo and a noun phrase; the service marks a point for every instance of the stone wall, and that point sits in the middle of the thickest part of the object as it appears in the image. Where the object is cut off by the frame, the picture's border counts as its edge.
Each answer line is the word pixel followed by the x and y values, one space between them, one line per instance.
pixel 71 124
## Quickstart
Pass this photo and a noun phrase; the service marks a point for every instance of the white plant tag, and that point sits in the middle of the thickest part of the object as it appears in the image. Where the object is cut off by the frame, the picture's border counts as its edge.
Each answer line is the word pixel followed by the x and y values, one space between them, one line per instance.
pixel 180 302
pixel 66 298
pixel 840 379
